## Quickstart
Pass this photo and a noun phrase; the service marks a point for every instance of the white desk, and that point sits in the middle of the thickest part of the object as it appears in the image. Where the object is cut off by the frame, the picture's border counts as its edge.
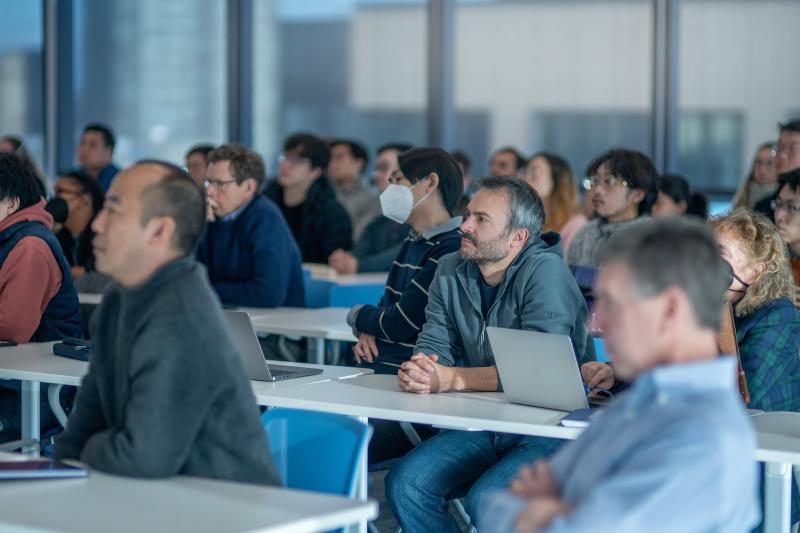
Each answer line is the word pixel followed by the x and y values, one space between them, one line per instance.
pixel 90 298
pixel 103 503
pixel 34 364
pixel 378 396
pixel 378 278
pixel 317 325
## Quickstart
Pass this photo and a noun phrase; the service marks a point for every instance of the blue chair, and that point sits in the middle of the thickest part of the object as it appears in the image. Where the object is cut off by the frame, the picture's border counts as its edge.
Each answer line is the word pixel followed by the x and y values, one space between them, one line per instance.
pixel 350 295
pixel 316 451
pixel 317 291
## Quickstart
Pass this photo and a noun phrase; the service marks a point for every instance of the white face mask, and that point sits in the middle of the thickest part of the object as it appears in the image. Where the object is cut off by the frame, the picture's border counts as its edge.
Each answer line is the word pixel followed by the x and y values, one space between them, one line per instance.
pixel 397 202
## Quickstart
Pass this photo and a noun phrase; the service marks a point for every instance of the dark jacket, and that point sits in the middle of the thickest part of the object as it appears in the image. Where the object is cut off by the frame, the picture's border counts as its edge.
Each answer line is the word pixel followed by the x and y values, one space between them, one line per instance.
pixel 62 315
pixel 253 260
pixel 325 226
pixel 537 293
pixel 166 393
pixel 78 251
pixel 379 244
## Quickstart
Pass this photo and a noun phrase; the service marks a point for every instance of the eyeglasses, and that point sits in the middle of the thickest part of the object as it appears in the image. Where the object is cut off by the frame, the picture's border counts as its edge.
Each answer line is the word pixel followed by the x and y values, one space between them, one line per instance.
pixel 792 208
pixel 610 182
pixel 789 148
pixel 293 159
pixel 218 184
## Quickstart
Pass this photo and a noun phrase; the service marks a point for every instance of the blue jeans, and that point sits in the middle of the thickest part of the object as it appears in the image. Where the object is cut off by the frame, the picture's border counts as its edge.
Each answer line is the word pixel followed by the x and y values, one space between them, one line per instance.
pixel 452 464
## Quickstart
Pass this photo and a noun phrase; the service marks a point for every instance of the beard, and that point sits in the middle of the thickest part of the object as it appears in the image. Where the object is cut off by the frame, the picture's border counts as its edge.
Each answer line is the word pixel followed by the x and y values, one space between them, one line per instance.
pixel 485 252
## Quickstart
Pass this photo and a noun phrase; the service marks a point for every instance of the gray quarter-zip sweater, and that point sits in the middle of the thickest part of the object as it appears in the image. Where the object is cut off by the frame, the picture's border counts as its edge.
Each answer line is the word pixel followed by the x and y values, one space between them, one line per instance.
pixel 166 393
pixel 537 293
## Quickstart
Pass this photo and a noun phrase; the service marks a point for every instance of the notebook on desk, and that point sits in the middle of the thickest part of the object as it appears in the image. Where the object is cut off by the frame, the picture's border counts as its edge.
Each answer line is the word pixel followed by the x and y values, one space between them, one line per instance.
pixel 253 358
pixel 39 469
pixel 539 369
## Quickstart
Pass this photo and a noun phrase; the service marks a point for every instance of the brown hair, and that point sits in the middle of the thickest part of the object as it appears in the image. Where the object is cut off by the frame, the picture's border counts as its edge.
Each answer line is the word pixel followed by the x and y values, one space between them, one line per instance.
pixel 562 203
pixel 244 163
pixel 762 245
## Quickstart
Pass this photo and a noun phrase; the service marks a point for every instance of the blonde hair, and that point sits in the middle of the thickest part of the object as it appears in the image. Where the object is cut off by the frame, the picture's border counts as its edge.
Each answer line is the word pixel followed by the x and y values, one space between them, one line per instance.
pixel 762 245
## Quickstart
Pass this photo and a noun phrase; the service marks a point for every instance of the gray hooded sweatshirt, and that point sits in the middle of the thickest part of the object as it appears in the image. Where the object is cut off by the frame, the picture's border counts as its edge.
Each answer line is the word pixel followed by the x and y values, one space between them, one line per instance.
pixel 538 293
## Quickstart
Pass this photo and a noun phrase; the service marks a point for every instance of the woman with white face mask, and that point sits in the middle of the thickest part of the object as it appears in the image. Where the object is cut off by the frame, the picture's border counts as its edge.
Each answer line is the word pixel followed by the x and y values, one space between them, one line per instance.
pixel 422 193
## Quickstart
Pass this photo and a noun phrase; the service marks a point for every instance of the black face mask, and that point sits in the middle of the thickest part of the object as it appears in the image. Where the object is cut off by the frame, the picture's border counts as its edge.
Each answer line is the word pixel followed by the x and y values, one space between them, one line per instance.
pixel 733 277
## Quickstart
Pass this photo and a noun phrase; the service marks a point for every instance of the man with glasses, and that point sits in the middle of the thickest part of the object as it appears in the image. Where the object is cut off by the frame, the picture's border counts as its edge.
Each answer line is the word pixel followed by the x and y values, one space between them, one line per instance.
pixel 623 185
pixel 787 158
pixel 247 249
pixel 306 198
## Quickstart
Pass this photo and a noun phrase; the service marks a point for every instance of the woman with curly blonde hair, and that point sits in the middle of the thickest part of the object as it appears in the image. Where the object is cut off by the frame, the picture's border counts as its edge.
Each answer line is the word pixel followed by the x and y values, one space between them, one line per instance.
pixel 767 323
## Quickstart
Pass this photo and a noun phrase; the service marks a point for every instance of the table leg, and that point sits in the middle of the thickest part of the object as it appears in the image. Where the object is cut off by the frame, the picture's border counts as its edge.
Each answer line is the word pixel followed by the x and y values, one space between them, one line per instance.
pixel 30 416
pixel 316 351
pixel 777 497
pixel 363 479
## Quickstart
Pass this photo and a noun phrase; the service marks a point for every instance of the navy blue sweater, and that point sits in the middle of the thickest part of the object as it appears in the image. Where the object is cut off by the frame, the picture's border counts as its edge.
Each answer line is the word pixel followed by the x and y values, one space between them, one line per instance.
pixel 253 260
pixel 398 318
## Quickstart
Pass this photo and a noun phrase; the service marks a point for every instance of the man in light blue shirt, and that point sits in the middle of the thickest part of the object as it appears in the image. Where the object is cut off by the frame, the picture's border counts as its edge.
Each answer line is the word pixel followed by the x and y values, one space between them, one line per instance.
pixel 676 452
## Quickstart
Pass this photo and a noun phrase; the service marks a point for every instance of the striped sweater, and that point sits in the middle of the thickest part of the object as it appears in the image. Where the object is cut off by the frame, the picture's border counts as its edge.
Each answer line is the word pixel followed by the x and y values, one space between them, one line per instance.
pixel 398 318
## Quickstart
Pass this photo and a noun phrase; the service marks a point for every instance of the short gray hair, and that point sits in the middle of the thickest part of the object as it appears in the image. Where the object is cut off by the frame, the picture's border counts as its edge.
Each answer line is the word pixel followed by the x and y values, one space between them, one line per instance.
pixel 525 207
pixel 673 252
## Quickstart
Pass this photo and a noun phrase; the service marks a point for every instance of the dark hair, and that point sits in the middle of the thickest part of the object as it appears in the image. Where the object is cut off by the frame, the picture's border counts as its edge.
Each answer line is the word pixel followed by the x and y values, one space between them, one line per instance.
pixel 417 163
pixel 398 147
pixel 244 163
pixel 462 159
pixel 791 178
pixel 520 160
pixel 18 180
pixel 525 207
pixel 203 149
pixel 311 147
pixel 357 150
pixel 180 198
pixel 698 205
pixel 635 168
pixel 13 139
pixel 89 186
pixel 673 252
pixel 108 136
pixel 792 126
pixel 676 187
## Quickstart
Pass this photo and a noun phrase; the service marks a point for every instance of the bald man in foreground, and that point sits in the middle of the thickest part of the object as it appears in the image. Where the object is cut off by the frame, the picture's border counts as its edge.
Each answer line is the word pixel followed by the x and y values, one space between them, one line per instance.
pixel 166 393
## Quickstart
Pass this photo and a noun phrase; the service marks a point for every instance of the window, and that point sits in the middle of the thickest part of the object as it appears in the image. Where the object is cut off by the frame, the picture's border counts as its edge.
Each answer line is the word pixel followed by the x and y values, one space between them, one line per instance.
pixel 21 67
pixel 738 76
pixel 572 77
pixel 349 68
pixel 154 71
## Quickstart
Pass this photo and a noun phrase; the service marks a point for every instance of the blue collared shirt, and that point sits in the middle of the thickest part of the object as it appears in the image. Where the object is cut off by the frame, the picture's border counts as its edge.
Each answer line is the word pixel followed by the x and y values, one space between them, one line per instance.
pixel 674 453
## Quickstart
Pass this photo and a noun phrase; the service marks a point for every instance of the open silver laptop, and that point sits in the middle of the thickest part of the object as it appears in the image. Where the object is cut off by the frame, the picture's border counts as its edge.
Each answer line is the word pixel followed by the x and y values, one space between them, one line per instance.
pixel 253 359
pixel 538 369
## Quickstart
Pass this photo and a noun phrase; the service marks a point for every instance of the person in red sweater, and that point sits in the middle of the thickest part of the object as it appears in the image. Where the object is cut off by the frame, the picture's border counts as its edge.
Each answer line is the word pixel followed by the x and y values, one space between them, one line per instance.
pixel 38 301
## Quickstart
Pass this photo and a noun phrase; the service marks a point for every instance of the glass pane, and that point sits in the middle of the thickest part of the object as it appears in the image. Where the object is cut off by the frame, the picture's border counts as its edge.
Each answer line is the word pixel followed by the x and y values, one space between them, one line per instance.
pixel 21 66
pixel 154 71
pixel 345 68
pixel 738 76
pixel 573 77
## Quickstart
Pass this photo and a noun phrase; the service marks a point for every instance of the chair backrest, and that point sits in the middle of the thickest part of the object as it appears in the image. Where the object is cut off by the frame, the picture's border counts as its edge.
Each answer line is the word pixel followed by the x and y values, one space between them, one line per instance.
pixel 350 295
pixel 317 291
pixel 316 451
pixel 726 340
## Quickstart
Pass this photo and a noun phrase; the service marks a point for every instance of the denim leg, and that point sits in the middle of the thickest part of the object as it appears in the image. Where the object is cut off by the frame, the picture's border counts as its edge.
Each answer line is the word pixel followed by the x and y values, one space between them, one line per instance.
pixel 418 488
pixel 514 452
